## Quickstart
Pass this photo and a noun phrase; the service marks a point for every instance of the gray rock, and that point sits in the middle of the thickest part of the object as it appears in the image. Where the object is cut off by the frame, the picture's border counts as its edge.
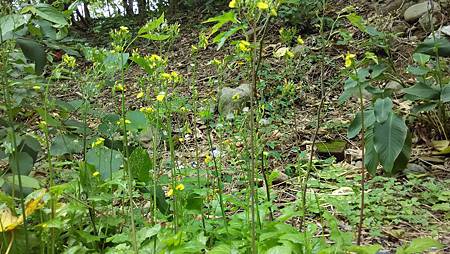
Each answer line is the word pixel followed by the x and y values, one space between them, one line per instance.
pixel 444 3
pixel 394 85
pixel 445 30
pixel 233 99
pixel 413 168
pixel 416 11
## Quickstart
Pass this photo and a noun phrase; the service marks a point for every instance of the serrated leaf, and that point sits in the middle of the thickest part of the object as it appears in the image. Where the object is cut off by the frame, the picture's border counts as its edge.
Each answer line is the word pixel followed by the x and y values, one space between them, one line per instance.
pixel 389 138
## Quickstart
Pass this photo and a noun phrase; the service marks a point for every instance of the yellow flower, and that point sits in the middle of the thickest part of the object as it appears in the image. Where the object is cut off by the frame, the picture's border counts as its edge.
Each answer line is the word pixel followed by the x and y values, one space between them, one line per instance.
pixel 208 159
pixel 119 88
pixel 181 139
pixel 289 54
pixel 232 4
pixel 165 75
pixel 300 41
pixel 262 5
pixel 37 88
pixel 179 187
pixel 236 97
pixel 69 60
pixel 216 62
pixel 96 173
pixel 147 110
pixel 160 97
pixel 139 95
pixel 124 29
pixel 273 12
pixel 126 122
pixel 43 124
pixel 169 193
pixel 244 45
pixel 155 58
pixel 349 59
pixel 98 142
pixel 183 109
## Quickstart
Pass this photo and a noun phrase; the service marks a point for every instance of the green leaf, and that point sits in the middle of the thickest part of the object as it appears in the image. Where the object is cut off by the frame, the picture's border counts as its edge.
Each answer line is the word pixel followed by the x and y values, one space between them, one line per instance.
pixel 221 20
pixel 382 109
pixel 194 202
pixel 445 94
pixel 27 181
pixel 9 23
pixel 138 120
pixel 357 21
pixel 369 249
pixel 279 250
pixel 155 37
pixel 422 91
pixel 441 46
pixel 146 233
pixel 371 159
pixel 65 144
pixel 389 138
pixel 420 58
pixel 140 165
pixel 151 25
pixel 104 160
pixel 34 52
pixel 417 70
pixel 51 14
pixel 403 158
pixel 221 38
pixel 424 107
pixel 356 126
pixel 419 245
pixel 25 162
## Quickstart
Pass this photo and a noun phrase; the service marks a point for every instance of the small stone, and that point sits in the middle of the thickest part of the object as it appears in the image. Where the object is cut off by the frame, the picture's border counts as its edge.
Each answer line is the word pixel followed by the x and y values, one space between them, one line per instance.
pixel 233 99
pixel 358 164
pixel 416 11
pixel 413 168
pixel 445 30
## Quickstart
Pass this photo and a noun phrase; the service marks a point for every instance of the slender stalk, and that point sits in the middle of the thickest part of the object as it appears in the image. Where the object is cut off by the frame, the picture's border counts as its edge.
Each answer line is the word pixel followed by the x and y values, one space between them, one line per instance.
pixel 363 130
pixel 266 183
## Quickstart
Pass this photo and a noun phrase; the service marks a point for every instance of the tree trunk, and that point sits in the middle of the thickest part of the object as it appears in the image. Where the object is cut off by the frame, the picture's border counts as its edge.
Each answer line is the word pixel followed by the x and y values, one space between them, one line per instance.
pixel 142 5
pixel 87 14
pixel 128 6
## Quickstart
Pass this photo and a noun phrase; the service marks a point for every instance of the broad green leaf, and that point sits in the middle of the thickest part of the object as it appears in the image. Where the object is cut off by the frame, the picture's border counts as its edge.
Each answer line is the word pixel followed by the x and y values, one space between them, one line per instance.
pixel 403 158
pixel 194 202
pixel 65 144
pixel 371 159
pixel 357 21
pixel 27 181
pixel 445 94
pixel 221 20
pixel 223 249
pixel 419 245
pixel 221 38
pixel 34 52
pixel 140 165
pixel 22 164
pixel 146 233
pixel 151 25
pixel 51 14
pixel 422 91
pixel 389 138
pixel 104 160
pixel 155 37
pixel 138 120
pixel 418 70
pixel 441 46
pixel 369 249
pixel 420 58
pixel 382 109
pixel 377 70
pixel 424 107
pixel 114 62
pixel 9 23
pixel 356 126
pixel 279 250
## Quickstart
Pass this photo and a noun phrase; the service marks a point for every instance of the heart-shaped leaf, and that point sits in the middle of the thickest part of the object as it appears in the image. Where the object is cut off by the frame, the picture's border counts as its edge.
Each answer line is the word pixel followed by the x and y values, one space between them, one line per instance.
pixel 104 160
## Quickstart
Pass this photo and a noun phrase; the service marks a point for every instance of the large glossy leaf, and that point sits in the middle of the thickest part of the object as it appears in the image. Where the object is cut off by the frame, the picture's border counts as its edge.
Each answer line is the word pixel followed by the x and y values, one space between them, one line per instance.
pixel 104 160
pixel 389 138
pixel 423 91
pixel 221 38
pixel 138 120
pixel 382 109
pixel 140 165
pixel 419 245
pixel 222 20
pixel 445 94
pixel 22 164
pixel 9 23
pixel 356 125
pixel 27 181
pixel 152 25
pixel 65 144
pixel 34 52
pixel 403 158
pixel 371 160
pixel 51 14
pixel 431 46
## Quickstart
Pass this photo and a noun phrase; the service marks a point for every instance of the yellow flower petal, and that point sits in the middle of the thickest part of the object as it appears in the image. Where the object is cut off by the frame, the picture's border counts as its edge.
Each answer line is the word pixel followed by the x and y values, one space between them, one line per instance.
pixel 169 193
pixel 262 5
pixel 140 95
pixel 179 187
pixel 96 173
pixel 160 97
pixel 232 4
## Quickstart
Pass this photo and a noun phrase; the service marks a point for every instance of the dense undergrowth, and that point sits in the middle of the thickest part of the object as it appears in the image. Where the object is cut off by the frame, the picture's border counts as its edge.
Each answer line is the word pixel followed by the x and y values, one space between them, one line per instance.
pixel 98 161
